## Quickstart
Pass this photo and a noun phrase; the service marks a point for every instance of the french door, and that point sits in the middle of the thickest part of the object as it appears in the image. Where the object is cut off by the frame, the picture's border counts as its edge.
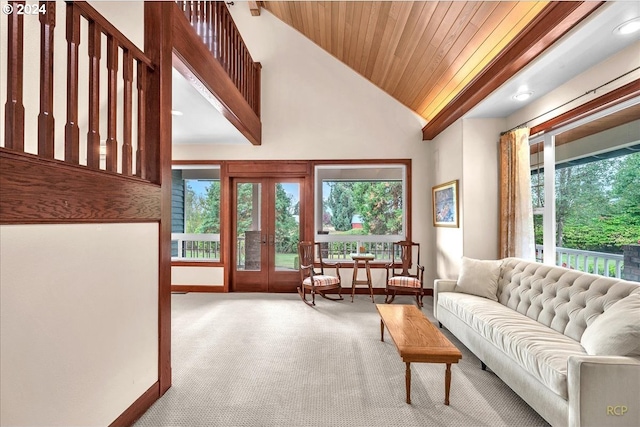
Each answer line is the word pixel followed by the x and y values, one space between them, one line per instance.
pixel 266 231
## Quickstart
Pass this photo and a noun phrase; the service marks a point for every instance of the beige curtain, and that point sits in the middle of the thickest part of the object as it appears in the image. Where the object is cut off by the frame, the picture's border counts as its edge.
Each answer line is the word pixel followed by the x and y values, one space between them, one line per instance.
pixel 516 212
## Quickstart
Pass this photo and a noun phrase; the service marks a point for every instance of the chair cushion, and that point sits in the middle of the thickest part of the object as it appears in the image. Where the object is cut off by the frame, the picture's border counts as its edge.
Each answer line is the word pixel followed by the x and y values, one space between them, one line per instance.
pixel 320 280
pixel 408 282
pixel 479 277
pixel 616 332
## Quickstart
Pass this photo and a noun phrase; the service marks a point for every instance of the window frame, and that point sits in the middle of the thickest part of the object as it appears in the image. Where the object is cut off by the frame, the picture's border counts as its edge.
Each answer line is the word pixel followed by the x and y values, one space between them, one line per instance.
pixel 405 169
pixel 547 136
pixel 208 262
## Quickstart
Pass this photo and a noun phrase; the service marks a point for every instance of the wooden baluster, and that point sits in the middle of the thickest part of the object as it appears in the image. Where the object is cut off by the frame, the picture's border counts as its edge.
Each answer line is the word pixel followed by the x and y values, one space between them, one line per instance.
pixel 140 153
pixel 223 39
pixel 93 134
pixel 71 130
pixel 250 73
pixel 208 24
pixel 112 103
pixel 46 121
pixel 14 107
pixel 127 112
pixel 258 71
pixel 216 30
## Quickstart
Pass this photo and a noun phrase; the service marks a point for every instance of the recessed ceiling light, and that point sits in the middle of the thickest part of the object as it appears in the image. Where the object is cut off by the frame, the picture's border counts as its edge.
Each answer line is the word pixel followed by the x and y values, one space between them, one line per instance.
pixel 628 27
pixel 176 113
pixel 522 96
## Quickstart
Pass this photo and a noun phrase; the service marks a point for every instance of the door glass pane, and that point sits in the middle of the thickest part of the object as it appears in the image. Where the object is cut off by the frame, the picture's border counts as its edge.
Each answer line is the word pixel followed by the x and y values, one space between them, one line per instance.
pixel 287 231
pixel 248 226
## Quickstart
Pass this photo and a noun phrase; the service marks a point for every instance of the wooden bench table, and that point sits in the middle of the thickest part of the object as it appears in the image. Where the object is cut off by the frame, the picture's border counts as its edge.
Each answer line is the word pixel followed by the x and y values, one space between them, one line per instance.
pixel 417 340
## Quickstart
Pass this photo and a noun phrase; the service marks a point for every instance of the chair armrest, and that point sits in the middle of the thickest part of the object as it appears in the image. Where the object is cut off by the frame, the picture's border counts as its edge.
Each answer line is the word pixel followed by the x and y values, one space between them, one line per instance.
pixel 335 265
pixel 603 390
pixel 441 285
pixel 420 274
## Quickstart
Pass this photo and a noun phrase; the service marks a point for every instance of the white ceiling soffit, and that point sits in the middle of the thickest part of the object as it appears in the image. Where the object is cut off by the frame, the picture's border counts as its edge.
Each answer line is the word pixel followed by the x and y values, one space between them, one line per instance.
pixel 199 122
pixel 582 48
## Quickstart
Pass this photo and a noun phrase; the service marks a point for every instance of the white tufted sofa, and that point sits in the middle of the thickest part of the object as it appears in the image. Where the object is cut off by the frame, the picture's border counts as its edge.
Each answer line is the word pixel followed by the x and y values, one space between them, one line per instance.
pixel 531 338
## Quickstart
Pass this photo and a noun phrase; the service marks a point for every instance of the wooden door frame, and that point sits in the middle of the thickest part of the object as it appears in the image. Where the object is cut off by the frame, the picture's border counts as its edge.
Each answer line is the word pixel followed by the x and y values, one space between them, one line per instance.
pixel 239 169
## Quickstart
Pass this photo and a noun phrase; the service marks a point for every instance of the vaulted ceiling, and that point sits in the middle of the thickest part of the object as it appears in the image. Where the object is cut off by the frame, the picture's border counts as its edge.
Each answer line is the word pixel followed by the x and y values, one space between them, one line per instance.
pixel 421 53
pixel 428 55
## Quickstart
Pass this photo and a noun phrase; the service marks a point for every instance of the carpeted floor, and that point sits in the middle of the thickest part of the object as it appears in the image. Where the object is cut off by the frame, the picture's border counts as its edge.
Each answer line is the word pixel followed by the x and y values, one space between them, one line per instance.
pixel 270 360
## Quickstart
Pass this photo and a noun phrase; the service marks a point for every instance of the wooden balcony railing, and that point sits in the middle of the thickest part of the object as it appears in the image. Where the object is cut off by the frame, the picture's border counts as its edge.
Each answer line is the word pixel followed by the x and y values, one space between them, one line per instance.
pixel 213 23
pixel 135 66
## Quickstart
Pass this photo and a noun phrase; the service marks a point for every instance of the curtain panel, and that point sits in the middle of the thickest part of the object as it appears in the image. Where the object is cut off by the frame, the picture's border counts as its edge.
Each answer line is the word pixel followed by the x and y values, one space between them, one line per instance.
pixel 516 211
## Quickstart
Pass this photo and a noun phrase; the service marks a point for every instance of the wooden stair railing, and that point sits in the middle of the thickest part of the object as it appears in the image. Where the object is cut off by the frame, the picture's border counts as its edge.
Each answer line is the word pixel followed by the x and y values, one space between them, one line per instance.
pixel 214 25
pixel 136 65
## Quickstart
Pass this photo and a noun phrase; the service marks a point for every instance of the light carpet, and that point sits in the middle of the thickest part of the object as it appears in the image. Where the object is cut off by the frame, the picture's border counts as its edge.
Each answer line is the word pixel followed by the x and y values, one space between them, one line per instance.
pixel 270 360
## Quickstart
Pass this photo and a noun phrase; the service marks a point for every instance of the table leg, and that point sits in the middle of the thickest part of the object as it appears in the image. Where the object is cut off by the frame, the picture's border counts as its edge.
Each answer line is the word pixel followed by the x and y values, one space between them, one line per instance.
pixel 407 380
pixel 381 330
pixel 355 278
pixel 366 263
pixel 447 384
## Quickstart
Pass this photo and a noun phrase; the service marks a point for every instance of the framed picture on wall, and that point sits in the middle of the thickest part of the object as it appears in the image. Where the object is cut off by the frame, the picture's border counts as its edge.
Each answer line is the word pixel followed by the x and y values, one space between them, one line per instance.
pixel 445 204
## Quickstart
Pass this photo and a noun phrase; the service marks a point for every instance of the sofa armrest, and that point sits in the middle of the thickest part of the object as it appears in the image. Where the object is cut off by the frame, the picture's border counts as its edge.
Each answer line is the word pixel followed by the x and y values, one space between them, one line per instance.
pixel 603 391
pixel 441 285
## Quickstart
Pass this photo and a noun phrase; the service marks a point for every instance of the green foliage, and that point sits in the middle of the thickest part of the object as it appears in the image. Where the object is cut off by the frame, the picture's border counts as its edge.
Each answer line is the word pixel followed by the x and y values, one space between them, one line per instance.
pixel 340 202
pixel 287 229
pixel 202 214
pixel 380 205
pixel 597 205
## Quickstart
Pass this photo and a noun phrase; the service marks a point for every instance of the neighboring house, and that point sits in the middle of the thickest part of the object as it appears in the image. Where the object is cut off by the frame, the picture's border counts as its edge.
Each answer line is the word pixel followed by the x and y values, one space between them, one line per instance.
pixel 86 274
pixel 356 222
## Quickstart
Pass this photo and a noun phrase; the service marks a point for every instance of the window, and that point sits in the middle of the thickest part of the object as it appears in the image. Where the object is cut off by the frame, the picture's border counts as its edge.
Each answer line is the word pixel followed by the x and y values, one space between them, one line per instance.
pixel 584 181
pixel 195 213
pixel 360 206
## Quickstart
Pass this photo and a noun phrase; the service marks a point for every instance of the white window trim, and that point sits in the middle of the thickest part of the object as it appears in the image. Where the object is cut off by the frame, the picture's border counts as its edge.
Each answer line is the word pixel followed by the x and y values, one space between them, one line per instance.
pixel 548 138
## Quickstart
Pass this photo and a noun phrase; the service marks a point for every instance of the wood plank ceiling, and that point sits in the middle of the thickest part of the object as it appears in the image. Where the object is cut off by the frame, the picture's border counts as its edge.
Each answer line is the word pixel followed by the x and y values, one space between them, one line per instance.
pixel 421 53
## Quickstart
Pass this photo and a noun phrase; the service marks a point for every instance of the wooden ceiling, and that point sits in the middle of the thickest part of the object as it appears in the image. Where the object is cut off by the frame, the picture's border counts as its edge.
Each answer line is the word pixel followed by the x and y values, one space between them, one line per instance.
pixel 421 53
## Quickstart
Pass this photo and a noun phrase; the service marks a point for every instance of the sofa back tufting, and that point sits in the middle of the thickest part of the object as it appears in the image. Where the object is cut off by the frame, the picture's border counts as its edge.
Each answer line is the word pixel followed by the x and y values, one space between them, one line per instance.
pixel 563 299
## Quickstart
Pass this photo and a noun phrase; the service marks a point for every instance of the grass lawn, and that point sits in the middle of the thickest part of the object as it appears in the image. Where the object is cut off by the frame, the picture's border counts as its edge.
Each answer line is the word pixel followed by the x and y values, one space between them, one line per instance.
pixel 288 261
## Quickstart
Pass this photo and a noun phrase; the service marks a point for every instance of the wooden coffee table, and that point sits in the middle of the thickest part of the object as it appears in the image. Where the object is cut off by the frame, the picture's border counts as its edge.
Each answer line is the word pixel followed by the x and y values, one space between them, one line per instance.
pixel 417 340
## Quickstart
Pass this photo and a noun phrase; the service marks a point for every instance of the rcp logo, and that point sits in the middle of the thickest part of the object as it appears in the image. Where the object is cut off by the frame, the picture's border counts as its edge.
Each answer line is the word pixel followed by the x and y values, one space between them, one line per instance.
pixel 618 410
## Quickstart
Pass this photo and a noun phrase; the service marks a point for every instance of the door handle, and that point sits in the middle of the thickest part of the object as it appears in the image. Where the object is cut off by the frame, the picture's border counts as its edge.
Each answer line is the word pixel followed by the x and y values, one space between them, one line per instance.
pixel 263 240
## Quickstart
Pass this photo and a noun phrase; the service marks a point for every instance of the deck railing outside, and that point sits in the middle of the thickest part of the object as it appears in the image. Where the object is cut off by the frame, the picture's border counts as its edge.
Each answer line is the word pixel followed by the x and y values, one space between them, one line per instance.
pixel 200 247
pixel 609 265
pixel 213 23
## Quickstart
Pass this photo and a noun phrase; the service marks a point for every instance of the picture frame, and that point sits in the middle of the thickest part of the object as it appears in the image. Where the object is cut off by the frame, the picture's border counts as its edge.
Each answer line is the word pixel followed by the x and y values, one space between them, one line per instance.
pixel 444 199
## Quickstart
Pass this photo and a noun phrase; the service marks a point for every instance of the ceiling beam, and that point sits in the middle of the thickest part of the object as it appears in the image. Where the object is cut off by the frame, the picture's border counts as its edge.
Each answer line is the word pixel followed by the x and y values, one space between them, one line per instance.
pixel 555 20
pixel 254 7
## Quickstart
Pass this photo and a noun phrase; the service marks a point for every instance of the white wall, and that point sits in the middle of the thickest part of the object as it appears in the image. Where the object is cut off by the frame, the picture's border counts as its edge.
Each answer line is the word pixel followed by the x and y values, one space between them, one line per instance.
pixel 314 107
pixel 79 310
pixel 446 153
pixel 209 276
pixel 481 172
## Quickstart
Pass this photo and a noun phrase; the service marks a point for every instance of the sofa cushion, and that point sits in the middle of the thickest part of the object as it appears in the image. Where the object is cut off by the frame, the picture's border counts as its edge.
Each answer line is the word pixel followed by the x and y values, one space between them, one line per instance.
pixel 541 351
pixel 616 332
pixel 563 299
pixel 479 277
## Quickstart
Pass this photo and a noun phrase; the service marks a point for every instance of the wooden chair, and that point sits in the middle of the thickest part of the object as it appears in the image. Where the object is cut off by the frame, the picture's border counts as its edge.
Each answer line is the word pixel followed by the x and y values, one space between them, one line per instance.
pixel 405 279
pixel 316 282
